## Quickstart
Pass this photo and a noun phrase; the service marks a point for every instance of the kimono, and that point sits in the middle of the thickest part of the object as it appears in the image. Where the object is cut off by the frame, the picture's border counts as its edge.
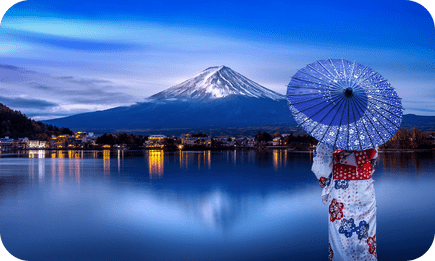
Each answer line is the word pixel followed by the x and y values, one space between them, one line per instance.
pixel 348 191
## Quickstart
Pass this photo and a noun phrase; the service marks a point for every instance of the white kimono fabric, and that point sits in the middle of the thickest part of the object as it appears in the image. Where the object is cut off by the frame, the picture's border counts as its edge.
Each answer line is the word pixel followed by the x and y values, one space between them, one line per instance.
pixel 352 211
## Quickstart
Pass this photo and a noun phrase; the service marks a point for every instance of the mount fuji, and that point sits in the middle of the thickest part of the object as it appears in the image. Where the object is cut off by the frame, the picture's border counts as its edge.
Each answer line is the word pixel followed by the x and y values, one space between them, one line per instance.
pixel 217 82
pixel 217 100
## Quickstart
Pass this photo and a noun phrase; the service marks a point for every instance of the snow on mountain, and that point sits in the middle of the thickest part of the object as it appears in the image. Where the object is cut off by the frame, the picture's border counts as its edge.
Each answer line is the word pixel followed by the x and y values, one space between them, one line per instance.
pixel 217 82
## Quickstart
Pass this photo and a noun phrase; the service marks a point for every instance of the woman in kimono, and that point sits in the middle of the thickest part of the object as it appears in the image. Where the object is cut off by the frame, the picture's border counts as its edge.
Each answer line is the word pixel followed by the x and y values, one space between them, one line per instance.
pixel 345 177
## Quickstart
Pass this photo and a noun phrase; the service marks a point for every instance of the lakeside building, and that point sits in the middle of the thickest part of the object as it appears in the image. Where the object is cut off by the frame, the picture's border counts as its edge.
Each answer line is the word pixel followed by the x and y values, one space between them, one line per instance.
pixel 36 144
pixel 155 141
pixel 59 142
pixel 277 141
pixel 196 141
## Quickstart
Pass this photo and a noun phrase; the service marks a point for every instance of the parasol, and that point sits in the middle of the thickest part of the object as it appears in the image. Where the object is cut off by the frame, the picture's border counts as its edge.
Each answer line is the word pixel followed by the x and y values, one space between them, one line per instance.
pixel 344 104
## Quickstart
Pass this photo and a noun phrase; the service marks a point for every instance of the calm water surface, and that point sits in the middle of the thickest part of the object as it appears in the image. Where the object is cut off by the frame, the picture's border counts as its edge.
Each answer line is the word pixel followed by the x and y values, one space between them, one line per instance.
pixel 226 205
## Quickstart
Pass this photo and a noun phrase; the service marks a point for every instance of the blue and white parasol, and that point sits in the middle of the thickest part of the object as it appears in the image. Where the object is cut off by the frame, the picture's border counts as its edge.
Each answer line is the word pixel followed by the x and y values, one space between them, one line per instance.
pixel 344 104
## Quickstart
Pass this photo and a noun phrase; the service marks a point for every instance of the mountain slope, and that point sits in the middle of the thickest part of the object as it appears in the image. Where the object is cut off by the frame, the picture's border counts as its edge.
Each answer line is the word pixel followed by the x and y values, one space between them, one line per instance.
pixel 172 115
pixel 217 82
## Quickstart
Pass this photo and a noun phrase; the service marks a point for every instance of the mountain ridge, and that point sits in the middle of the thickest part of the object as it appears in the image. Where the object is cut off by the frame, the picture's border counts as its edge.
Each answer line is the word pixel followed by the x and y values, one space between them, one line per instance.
pixel 217 99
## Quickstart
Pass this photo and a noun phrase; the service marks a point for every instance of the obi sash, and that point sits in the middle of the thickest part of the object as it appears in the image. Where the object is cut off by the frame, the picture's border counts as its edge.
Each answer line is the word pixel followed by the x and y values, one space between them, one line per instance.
pixel 352 165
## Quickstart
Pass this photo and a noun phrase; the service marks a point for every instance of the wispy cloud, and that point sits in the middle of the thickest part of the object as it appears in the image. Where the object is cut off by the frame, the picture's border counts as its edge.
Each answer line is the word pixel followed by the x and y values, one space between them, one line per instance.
pixel 27 103
pixel 43 95
pixel 77 44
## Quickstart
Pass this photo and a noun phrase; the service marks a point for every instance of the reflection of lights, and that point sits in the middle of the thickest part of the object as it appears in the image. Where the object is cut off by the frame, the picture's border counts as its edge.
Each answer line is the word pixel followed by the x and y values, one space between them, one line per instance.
pixel 106 161
pixel 275 159
pixel 41 164
pixel 61 166
pixel 209 159
pixel 235 156
pixel 77 170
pixel 285 158
pixel 119 161
pixel 185 158
pixel 155 163
pixel 37 154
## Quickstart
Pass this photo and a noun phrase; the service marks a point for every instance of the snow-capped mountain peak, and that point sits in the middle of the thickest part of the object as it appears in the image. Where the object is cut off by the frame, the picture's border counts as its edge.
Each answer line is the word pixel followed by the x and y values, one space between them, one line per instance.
pixel 217 82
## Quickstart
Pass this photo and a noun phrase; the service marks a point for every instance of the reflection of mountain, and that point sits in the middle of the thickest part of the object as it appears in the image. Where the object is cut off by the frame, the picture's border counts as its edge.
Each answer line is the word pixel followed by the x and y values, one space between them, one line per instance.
pixel 219 210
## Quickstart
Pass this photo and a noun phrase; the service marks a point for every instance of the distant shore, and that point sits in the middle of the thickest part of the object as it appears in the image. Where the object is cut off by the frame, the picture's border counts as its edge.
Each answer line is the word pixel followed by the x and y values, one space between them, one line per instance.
pixel 207 149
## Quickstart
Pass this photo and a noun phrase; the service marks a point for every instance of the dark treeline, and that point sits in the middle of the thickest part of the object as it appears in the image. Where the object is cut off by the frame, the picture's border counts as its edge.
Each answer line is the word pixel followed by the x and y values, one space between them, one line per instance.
pixel 16 125
pixel 409 139
pixel 131 140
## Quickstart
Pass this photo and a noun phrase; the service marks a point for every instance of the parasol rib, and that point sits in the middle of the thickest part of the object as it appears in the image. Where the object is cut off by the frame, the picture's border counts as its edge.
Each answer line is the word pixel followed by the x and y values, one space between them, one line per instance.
pixel 307 118
pixel 307 93
pixel 359 75
pixel 327 104
pixel 290 104
pixel 373 74
pixel 386 96
pixel 386 103
pixel 335 69
pixel 372 84
pixel 380 122
pixel 331 79
pixel 309 81
pixel 303 87
pixel 325 69
pixel 329 126
pixel 329 83
pixel 338 129
pixel 357 131
pixel 325 115
pixel 362 120
pixel 348 126
pixel 371 123
pixel 384 116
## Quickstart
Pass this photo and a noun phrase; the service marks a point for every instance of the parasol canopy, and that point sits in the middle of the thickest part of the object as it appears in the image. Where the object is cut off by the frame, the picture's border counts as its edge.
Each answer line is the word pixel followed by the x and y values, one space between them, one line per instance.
pixel 344 104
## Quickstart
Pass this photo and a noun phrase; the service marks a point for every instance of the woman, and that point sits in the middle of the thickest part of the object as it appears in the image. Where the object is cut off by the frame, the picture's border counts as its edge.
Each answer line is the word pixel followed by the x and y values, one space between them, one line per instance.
pixel 345 177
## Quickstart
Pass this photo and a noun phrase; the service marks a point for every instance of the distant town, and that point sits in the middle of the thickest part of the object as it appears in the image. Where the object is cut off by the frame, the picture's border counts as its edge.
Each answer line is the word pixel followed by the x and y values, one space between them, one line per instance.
pixel 404 139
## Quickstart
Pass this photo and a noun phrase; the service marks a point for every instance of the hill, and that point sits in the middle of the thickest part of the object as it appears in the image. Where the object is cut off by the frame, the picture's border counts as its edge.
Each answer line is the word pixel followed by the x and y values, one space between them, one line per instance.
pixel 17 125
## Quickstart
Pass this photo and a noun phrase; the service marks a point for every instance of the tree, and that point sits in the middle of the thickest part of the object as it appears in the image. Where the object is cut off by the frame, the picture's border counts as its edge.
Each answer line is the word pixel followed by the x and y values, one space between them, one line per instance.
pixel 106 138
pixel 263 136
pixel 277 135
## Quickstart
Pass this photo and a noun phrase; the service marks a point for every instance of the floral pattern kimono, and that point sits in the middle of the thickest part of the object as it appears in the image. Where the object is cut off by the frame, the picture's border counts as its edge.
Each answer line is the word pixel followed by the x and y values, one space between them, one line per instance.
pixel 348 191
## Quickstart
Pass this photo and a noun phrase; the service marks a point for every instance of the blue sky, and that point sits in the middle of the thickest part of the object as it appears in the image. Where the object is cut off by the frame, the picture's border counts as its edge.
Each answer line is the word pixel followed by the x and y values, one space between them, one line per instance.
pixel 59 58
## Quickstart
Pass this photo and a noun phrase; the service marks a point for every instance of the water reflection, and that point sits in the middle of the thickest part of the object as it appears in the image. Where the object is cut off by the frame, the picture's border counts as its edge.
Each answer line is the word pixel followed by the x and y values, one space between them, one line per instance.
pixel 279 159
pixel 406 163
pixel 229 212
pixel 120 157
pixel 218 209
pixel 37 154
pixel 155 163
pixel 106 162
pixel 199 159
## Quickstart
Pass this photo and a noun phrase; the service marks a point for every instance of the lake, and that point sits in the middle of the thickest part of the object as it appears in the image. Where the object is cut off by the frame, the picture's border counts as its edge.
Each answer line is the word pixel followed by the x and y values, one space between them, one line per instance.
pixel 196 205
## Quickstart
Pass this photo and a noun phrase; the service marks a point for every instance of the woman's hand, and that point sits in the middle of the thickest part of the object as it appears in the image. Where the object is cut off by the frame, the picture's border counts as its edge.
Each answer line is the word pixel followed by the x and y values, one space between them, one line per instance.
pixel 322 182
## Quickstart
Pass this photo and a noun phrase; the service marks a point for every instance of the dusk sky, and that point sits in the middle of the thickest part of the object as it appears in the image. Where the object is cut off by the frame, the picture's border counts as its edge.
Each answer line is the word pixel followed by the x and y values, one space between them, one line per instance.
pixel 59 58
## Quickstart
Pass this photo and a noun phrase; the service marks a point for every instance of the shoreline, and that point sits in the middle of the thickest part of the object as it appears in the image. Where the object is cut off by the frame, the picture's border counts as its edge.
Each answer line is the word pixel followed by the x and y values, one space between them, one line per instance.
pixel 204 149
